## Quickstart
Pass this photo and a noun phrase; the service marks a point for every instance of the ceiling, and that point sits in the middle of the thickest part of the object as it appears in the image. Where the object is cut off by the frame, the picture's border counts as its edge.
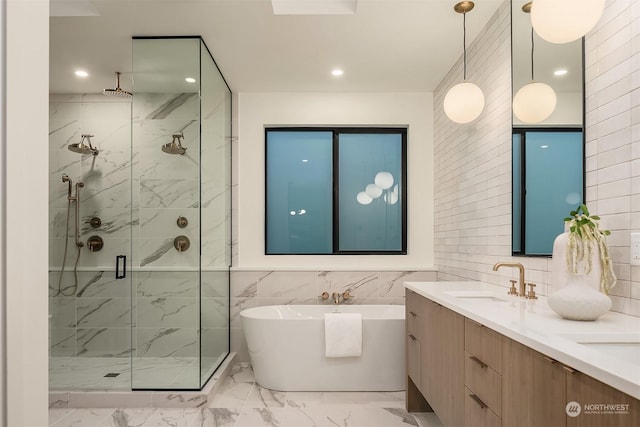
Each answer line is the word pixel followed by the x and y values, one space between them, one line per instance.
pixel 386 46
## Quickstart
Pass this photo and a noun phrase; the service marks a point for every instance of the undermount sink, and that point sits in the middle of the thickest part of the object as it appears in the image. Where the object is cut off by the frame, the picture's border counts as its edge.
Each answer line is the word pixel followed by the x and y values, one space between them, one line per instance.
pixel 477 296
pixel 622 345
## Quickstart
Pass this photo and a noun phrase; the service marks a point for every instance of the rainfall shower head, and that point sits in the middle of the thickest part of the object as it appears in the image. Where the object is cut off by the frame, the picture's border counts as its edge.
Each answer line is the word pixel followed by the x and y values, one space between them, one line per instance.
pixel 117 91
pixel 175 146
pixel 83 148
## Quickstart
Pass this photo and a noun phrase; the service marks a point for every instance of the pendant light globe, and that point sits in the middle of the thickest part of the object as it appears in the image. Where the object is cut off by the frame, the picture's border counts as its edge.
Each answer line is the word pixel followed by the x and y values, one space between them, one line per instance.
pixel 464 102
pixel 563 21
pixel 534 102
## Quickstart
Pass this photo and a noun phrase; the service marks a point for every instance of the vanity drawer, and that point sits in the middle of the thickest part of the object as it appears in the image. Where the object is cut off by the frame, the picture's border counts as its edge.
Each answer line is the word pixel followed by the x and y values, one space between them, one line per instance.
pixel 477 413
pixel 484 382
pixel 415 325
pixel 415 314
pixel 414 360
pixel 483 343
pixel 415 304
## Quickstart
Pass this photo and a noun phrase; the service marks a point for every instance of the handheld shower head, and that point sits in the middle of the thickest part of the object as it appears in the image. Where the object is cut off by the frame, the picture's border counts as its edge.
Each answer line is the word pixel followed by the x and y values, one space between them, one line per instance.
pixel 117 91
pixel 65 178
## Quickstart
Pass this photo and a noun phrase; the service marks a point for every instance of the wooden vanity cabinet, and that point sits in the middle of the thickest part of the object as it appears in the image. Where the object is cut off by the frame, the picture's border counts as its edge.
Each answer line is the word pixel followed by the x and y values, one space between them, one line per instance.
pixel 441 350
pixel 415 322
pixel 585 390
pixel 533 388
pixel 537 388
pixel 482 375
pixel 471 375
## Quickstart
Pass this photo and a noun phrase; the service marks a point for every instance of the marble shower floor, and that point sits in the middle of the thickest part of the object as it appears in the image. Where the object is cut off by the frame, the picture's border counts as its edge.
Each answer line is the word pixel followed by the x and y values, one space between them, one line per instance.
pixel 88 373
pixel 242 403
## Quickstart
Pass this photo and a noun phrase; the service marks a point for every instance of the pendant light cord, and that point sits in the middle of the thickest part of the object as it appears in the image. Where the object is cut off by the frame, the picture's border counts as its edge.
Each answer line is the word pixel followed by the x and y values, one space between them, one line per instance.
pixel 532 46
pixel 464 45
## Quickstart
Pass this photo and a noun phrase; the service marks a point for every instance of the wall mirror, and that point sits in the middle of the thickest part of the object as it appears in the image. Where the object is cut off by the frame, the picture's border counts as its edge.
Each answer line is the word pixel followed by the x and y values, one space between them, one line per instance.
pixel 548 156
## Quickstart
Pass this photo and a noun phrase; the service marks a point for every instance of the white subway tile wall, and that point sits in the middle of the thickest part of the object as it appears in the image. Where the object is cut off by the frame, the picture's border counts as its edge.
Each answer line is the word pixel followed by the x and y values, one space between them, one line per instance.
pixel 612 107
pixel 473 161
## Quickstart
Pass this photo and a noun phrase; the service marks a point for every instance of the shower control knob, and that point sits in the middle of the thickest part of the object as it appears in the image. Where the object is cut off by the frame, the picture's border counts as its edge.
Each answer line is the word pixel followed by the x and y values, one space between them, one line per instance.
pixel 95 222
pixel 95 243
pixel 181 243
pixel 182 222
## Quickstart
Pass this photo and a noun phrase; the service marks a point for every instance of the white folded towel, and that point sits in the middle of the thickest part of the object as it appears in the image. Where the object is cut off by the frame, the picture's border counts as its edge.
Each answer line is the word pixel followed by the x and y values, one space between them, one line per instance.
pixel 343 334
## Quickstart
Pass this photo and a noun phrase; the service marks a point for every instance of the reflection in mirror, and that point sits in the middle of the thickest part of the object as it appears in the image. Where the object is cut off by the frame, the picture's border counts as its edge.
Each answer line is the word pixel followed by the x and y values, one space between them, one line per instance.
pixel 547 182
pixel 558 65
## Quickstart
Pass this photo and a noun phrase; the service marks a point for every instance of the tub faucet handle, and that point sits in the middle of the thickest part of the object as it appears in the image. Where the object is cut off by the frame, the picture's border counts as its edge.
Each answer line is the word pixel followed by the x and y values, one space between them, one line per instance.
pixel 325 295
pixel 346 295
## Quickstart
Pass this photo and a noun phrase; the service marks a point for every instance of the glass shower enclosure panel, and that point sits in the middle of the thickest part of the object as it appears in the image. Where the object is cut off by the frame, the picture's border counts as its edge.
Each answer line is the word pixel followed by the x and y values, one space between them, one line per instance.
pixel 90 315
pixel 215 215
pixel 180 254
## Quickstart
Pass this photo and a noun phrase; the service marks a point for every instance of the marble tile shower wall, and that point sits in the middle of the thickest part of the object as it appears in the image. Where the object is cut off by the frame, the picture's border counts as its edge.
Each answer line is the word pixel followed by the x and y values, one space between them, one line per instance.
pixel 96 318
pixel 257 288
pixel 473 161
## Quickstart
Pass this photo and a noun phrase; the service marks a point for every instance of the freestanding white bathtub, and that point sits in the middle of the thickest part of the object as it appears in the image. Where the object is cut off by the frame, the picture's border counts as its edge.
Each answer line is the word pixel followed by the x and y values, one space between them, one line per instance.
pixel 287 350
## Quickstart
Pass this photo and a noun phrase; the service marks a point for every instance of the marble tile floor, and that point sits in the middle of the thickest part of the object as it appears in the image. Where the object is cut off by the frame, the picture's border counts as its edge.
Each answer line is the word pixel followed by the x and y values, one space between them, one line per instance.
pixel 242 403
pixel 88 373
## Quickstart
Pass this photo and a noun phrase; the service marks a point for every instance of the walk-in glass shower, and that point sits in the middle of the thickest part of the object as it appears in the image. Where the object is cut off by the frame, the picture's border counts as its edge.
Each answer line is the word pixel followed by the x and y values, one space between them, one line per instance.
pixel 140 233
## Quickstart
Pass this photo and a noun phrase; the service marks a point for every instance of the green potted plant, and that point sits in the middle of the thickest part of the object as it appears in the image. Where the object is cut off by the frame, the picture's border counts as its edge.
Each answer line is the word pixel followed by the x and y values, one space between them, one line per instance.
pixel 584 236
pixel 582 271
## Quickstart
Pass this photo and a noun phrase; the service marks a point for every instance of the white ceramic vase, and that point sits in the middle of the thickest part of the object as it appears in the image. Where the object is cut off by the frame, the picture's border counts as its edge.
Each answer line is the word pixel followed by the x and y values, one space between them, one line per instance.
pixel 560 274
pixel 579 300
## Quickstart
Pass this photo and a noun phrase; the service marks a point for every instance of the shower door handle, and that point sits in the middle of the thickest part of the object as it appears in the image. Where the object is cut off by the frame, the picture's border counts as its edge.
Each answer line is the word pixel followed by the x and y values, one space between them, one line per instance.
pixel 121 259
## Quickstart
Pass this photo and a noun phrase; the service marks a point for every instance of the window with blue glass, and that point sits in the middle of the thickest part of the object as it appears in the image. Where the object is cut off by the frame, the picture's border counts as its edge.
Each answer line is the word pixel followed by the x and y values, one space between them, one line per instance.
pixel 335 191
pixel 548 183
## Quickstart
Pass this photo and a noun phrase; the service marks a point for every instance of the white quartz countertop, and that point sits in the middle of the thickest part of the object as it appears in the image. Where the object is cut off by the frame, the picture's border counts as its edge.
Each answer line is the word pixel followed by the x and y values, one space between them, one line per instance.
pixel 614 360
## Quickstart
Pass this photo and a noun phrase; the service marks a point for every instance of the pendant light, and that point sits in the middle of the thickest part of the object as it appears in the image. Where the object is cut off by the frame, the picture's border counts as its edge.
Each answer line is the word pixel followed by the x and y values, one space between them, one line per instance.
pixel 465 101
pixel 563 21
pixel 535 101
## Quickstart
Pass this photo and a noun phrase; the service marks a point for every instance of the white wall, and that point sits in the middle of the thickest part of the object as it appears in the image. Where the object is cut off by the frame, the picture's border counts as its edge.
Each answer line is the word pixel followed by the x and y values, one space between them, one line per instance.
pixel 26 222
pixel 258 110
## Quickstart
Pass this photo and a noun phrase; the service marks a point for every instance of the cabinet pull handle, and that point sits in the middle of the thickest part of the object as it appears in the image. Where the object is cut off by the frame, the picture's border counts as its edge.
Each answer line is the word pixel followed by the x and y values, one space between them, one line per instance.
pixel 548 359
pixel 412 337
pixel 478 361
pixel 568 369
pixel 478 401
pixel 412 314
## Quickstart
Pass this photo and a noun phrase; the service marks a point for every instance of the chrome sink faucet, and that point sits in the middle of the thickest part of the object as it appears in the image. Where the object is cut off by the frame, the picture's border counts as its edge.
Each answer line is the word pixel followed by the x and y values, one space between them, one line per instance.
pixel 520 267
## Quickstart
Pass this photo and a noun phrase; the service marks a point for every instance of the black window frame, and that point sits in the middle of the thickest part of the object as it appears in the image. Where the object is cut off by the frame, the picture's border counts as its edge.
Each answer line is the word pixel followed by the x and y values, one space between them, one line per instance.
pixel 522 131
pixel 336 131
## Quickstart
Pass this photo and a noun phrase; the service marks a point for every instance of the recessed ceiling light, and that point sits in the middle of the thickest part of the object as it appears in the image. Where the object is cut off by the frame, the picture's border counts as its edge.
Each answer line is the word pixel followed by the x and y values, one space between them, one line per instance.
pixel 81 73
pixel 337 72
pixel 560 72
pixel 544 146
pixel 190 80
